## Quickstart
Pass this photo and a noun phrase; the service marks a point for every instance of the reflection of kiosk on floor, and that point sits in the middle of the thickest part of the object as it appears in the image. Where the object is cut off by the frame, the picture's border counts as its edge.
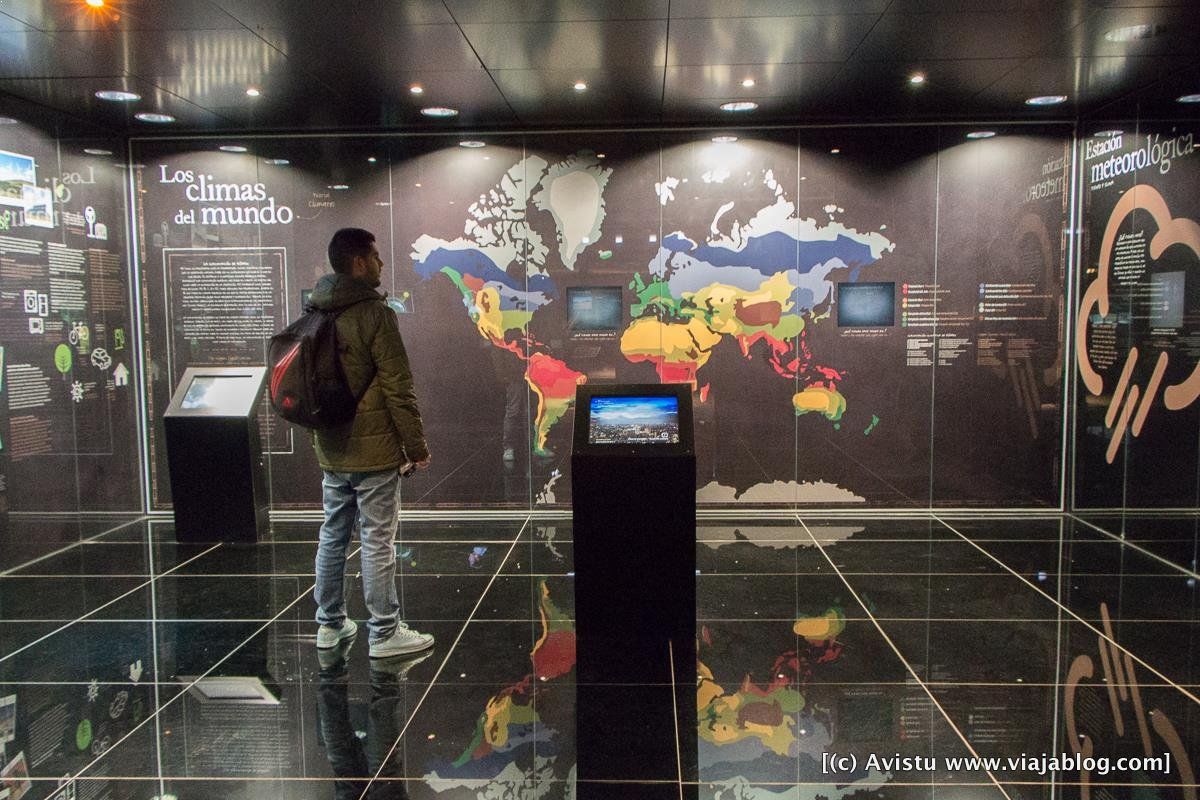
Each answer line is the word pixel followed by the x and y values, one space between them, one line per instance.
pixel 633 485
pixel 215 455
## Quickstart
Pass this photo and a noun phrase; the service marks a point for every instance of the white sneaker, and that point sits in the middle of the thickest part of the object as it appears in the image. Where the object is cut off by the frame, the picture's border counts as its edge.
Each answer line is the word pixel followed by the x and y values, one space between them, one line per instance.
pixel 329 637
pixel 404 640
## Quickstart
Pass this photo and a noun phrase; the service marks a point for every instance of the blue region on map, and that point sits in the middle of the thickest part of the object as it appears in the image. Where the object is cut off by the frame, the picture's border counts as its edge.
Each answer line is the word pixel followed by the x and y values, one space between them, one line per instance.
pixel 773 252
pixel 476 263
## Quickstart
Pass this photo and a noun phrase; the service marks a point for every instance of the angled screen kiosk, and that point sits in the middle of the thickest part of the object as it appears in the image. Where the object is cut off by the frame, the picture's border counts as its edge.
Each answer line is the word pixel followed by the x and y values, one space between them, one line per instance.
pixel 214 455
pixel 633 487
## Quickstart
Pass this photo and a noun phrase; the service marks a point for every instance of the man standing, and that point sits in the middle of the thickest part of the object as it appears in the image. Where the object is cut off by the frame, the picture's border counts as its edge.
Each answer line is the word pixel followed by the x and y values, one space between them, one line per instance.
pixel 363 458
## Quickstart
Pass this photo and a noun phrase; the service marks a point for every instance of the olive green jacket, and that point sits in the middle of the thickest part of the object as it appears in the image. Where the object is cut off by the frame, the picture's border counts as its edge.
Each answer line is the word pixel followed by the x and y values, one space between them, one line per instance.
pixel 386 432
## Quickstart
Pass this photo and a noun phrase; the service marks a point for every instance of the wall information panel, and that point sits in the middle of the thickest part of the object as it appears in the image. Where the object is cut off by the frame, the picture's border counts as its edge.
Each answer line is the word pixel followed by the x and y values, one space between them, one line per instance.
pixel 727 258
pixel 69 436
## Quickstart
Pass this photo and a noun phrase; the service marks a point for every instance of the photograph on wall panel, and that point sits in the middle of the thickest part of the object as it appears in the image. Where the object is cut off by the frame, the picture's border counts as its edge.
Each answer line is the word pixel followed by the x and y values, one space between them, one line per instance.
pixel 1137 325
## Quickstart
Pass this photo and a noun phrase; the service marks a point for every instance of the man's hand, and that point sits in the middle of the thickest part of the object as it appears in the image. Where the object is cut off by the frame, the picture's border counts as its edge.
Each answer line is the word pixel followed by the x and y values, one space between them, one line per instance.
pixel 423 463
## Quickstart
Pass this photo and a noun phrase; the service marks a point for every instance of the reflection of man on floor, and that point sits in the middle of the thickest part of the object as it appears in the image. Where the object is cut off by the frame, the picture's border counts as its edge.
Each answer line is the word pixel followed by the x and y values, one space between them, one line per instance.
pixel 376 768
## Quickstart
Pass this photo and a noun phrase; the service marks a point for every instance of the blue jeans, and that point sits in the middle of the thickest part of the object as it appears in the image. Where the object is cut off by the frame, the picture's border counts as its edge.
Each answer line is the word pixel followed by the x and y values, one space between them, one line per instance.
pixel 371 499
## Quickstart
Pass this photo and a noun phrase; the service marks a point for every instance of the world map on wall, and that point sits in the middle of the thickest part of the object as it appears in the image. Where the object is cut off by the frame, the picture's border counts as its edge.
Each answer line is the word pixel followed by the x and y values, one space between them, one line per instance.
pixel 763 283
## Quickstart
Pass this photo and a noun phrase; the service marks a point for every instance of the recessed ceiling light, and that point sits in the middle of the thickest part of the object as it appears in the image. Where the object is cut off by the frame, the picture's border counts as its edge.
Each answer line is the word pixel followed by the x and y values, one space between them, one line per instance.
pixel 96 151
pixel 152 116
pixel 835 150
pixel 1108 134
pixel 277 162
pixel 748 82
pixel 338 187
pixel 7 121
pixel 232 148
pixel 739 105
pixel 439 111
pixel 95 3
pixel 416 88
pixel 252 91
pixel 917 78
pixel 371 159
pixel 600 155
pixel 981 134
pixel 1130 33
pixel 1188 98
pixel 724 139
pixel 472 143
pixel 580 86
pixel 1046 100
pixel 118 96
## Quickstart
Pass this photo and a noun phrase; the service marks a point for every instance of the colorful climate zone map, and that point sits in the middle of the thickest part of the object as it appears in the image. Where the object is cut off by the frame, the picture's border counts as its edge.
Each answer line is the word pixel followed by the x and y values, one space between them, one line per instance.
pixel 761 283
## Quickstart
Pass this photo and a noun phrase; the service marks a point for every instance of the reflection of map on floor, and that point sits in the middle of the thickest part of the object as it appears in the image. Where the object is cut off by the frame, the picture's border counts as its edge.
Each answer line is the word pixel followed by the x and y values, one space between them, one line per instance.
pixel 761 283
pixel 773 731
pixel 511 731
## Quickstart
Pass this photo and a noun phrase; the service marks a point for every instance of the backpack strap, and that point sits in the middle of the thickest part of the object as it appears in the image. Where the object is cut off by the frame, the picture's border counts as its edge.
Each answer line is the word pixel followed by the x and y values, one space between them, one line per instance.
pixel 358 396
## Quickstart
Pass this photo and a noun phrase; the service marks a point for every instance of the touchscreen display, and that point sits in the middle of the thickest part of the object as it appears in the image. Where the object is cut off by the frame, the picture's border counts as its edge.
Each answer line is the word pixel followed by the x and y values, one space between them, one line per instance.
pixel 870 305
pixel 593 309
pixel 221 394
pixel 633 420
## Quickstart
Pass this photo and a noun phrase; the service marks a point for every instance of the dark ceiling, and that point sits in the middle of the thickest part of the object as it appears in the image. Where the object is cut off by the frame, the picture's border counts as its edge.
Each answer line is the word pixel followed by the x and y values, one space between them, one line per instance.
pixel 511 64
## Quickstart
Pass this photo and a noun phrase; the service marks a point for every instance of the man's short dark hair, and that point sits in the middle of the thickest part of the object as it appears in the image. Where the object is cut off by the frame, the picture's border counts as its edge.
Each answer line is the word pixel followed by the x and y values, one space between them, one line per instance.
pixel 345 245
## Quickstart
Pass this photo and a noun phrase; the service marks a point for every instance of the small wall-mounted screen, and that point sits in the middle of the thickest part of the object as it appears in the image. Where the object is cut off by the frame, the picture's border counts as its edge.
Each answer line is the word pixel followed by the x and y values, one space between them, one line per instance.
pixel 633 420
pixel 866 305
pixel 593 310
pixel 221 394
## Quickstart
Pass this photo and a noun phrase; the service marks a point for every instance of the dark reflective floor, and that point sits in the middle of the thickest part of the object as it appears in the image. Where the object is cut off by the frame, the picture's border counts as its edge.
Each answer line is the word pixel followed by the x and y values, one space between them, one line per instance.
pixel 135 667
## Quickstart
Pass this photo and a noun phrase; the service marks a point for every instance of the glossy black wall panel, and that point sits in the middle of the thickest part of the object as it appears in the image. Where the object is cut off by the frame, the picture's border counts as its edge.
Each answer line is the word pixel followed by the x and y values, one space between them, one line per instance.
pixel 727 256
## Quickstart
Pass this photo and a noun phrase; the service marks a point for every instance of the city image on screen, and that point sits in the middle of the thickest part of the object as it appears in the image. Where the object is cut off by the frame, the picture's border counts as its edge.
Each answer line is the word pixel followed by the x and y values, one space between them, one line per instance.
pixel 222 394
pixel 633 420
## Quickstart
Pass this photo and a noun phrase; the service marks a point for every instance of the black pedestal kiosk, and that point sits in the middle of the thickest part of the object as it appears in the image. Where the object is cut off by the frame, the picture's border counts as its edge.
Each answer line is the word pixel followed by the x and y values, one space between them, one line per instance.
pixel 214 455
pixel 633 489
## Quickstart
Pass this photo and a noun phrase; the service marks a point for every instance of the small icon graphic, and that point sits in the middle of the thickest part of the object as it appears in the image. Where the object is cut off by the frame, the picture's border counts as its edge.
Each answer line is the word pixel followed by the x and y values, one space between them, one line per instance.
pixel 117 707
pixel 121 375
pixel 95 230
pixel 135 671
pixel 62 358
pixel 101 359
pixel 77 392
pixel 83 734
pixel 79 334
